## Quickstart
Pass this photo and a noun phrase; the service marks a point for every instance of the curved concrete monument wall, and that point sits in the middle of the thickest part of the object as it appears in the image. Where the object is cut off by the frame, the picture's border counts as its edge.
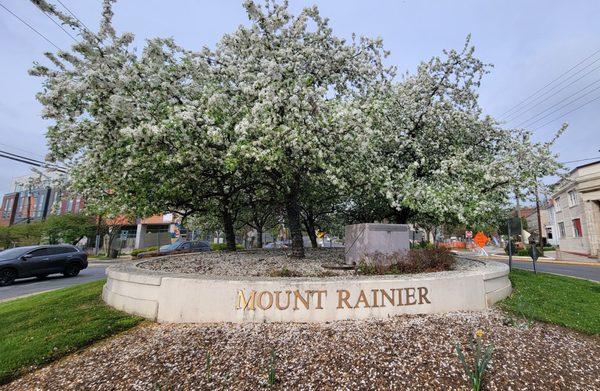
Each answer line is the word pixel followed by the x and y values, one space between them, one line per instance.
pixel 170 297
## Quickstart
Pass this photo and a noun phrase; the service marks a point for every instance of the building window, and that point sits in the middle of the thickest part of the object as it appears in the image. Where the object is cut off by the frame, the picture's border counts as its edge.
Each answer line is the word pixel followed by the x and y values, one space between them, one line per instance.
pixel 561 230
pixel 155 229
pixel 77 205
pixel 577 232
pixel 572 198
pixel 557 204
pixel 69 206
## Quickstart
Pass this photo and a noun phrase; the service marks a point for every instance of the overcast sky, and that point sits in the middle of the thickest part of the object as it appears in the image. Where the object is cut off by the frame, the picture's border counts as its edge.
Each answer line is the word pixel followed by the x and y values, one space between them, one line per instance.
pixel 530 43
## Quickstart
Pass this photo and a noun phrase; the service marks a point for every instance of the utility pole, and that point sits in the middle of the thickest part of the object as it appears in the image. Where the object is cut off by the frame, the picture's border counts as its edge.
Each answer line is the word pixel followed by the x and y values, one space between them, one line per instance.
pixel 518 196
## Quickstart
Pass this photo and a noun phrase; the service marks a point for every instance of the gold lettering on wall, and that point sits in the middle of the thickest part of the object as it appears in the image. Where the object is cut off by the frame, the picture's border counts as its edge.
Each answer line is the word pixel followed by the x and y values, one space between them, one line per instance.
pixel 247 304
pixel 259 300
pixel 317 299
pixel 278 302
pixel 343 296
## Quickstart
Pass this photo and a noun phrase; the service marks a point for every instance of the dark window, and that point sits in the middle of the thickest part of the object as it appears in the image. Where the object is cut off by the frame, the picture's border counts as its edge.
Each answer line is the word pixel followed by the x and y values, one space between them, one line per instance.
pixel 155 229
pixel 577 232
pixel 199 245
pixel 41 252
pixel 185 246
pixel 61 250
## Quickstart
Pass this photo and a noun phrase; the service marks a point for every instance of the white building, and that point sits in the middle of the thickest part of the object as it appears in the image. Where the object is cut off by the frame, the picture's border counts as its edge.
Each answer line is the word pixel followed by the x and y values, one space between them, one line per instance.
pixel 576 202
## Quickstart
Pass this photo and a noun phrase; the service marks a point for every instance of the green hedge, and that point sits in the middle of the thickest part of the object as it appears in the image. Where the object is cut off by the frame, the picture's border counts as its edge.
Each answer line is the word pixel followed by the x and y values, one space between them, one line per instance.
pixel 223 246
pixel 137 251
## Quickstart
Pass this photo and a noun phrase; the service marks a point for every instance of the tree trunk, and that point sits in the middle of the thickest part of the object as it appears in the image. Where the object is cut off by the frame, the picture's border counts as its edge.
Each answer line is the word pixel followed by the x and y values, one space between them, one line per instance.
pixel 259 238
pixel 292 209
pixel 228 228
pixel 310 229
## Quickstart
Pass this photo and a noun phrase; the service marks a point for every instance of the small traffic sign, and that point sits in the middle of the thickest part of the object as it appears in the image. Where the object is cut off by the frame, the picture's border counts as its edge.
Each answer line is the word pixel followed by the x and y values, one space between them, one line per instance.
pixel 480 239
pixel 469 234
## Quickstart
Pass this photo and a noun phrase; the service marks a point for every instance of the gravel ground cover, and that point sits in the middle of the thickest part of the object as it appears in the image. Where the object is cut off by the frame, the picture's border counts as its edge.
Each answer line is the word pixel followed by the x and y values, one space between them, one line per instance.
pixel 254 263
pixel 400 353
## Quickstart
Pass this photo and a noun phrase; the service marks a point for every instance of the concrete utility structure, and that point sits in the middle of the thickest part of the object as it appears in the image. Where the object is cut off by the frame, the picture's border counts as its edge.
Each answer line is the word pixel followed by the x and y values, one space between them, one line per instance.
pixel 195 298
pixel 364 239
pixel 576 201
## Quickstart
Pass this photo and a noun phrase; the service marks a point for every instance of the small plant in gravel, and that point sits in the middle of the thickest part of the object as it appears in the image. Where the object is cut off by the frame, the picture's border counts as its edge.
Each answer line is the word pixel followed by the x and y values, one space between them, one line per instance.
pixel 481 358
pixel 522 320
pixel 284 272
pixel 207 366
pixel 272 379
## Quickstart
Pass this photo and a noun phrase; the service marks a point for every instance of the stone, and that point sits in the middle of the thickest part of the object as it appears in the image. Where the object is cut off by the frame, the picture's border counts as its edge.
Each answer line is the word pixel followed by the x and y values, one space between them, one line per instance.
pixel 364 239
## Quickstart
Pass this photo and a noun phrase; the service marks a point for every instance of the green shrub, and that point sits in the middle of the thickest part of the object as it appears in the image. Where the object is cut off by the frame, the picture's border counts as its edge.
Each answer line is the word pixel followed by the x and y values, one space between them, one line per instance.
pixel 525 252
pixel 223 246
pixel 421 244
pixel 549 248
pixel 137 251
pixel 421 260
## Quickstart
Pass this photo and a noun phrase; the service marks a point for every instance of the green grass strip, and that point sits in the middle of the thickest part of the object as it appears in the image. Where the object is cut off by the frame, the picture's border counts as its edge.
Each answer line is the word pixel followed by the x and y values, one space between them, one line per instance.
pixel 39 329
pixel 565 301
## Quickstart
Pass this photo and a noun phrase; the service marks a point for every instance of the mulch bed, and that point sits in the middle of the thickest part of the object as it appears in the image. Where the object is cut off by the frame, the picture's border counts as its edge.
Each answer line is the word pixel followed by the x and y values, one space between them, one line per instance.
pixel 401 353
pixel 266 263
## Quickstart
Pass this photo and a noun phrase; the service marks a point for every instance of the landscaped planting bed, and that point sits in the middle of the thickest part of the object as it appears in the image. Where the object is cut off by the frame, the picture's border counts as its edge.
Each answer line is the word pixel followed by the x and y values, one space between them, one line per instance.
pixel 404 353
pixel 266 263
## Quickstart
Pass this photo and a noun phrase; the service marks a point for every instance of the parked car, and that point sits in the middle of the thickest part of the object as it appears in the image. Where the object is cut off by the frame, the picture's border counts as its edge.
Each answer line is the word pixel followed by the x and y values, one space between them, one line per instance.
pixel 40 261
pixel 183 246
pixel 278 244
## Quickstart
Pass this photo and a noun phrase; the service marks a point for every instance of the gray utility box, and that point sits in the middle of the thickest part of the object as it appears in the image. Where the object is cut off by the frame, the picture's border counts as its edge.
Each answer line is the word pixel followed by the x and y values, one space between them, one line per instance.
pixel 363 239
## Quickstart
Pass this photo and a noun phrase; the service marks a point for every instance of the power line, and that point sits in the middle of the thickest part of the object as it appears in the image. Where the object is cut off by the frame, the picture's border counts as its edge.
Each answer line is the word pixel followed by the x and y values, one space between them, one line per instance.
pixel 558 109
pixel 550 83
pixel 33 160
pixel 30 162
pixel 573 94
pixel 550 96
pixel 31 27
pixel 22 150
pixel 58 24
pixel 27 160
pixel 72 14
pixel 569 112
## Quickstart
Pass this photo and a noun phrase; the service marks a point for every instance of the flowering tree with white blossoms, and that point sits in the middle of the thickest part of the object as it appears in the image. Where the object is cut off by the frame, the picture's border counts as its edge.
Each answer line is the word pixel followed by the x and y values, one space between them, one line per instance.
pixel 298 78
pixel 436 155
pixel 280 107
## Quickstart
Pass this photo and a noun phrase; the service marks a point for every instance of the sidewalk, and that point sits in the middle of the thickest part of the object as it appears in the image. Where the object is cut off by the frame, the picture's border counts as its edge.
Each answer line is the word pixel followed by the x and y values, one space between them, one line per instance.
pixel 549 257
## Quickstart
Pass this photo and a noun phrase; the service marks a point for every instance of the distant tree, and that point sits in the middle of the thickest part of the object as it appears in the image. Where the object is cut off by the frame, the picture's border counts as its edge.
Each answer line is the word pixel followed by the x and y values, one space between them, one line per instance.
pixel 69 228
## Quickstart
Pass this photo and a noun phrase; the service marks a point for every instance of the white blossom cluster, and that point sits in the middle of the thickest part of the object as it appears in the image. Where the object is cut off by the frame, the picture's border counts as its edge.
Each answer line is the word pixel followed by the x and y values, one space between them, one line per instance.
pixel 280 104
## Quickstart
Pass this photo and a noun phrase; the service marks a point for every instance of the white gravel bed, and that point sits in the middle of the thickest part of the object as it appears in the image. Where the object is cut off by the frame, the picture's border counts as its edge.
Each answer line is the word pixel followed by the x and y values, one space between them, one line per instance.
pixel 401 353
pixel 255 263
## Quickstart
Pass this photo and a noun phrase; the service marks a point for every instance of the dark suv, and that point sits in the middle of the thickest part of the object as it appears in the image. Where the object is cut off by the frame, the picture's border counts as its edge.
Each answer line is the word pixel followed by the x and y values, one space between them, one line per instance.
pixel 40 261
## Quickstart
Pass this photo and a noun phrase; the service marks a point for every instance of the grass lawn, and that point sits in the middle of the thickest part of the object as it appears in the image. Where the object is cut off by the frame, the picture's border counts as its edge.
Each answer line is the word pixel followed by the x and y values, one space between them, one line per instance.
pixel 565 301
pixel 38 329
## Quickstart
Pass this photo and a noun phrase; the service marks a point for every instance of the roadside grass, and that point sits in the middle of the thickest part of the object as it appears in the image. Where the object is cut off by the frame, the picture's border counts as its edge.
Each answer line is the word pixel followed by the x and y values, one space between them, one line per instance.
pixel 565 301
pixel 39 329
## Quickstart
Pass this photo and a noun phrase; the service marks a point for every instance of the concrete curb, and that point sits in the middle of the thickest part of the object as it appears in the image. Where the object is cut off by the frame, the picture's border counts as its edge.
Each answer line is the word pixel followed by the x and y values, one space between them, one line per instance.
pixel 543 260
pixel 194 298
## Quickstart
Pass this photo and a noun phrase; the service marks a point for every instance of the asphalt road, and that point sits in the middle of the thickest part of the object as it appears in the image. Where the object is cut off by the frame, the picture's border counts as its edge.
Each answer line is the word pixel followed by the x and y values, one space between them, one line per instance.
pixel 55 281
pixel 580 271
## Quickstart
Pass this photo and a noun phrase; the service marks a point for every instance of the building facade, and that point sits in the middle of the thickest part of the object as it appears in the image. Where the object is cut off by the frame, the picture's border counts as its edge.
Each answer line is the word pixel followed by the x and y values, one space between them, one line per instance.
pixel 576 201
pixel 547 218
pixel 34 198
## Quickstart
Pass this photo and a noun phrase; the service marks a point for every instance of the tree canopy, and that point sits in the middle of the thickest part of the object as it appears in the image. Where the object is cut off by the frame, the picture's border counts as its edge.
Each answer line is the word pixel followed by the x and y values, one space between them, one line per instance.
pixel 282 111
